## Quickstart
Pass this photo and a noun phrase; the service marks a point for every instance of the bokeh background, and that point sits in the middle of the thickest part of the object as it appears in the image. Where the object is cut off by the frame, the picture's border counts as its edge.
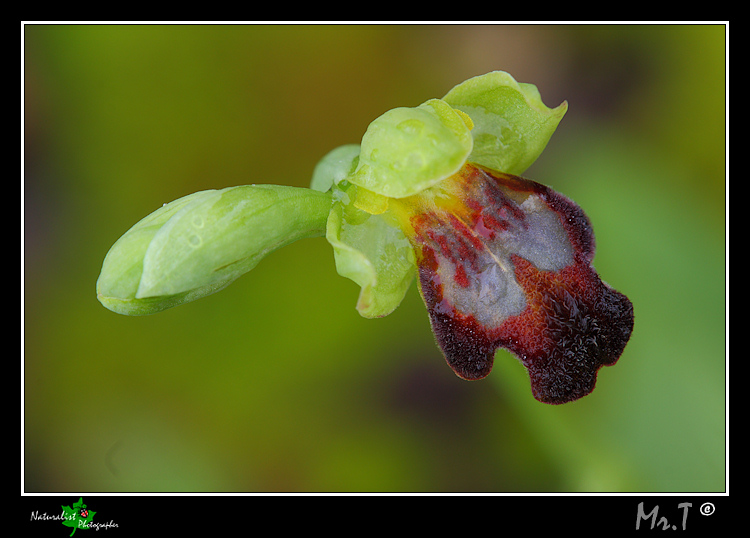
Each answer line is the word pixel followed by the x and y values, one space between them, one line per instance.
pixel 276 384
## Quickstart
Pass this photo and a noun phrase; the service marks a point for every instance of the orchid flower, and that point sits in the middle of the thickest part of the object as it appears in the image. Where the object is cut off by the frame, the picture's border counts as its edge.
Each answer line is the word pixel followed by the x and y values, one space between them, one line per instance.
pixel 433 192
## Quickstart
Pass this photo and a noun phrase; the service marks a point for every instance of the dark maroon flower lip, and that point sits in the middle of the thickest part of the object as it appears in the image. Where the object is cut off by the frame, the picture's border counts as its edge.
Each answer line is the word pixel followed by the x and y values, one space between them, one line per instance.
pixel 506 262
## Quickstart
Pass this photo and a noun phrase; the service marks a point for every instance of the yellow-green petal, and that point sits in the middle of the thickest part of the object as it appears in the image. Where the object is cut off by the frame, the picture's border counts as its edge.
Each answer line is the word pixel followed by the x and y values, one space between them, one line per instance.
pixel 407 150
pixel 373 252
pixel 511 123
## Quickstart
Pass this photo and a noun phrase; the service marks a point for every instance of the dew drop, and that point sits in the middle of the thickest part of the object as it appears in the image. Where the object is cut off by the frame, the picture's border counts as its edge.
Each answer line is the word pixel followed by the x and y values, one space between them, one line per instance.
pixel 412 127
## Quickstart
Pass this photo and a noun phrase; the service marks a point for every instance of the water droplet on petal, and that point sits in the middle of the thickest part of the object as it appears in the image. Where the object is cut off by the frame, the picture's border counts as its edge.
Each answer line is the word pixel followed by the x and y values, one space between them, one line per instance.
pixel 412 127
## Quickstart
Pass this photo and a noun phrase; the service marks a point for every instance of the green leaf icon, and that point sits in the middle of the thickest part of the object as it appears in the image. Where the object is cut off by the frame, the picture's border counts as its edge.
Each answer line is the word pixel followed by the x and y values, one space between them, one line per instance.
pixel 78 516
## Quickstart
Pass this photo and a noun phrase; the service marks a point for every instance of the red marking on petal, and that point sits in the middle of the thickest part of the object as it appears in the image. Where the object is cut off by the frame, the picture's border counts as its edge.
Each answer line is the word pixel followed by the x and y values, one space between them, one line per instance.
pixel 461 278
pixel 466 232
pixel 505 262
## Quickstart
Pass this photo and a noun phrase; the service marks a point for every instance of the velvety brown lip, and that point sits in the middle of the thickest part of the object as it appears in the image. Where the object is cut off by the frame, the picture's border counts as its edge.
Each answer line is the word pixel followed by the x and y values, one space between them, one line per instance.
pixel 561 321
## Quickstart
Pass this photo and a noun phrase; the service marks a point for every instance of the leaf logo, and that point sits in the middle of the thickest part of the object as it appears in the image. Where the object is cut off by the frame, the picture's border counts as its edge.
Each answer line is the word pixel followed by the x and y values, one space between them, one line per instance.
pixel 78 516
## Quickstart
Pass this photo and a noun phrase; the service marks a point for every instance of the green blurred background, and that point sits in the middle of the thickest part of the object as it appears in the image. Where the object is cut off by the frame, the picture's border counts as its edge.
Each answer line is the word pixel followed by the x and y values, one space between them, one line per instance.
pixel 276 383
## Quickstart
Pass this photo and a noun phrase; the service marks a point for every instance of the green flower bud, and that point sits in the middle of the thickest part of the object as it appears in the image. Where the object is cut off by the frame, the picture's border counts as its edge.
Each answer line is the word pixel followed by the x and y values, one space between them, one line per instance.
pixel 199 244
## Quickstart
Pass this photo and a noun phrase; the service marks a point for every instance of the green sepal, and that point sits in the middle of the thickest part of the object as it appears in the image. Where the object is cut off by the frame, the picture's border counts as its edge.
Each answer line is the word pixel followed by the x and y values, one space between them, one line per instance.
pixel 372 251
pixel 511 123
pixel 199 244
pixel 407 150
pixel 334 167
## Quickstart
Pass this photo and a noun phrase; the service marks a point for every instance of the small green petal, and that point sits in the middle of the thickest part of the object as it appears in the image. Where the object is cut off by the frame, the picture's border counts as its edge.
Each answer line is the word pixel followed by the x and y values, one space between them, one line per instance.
pixel 199 244
pixel 511 123
pixel 336 165
pixel 407 150
pixel 373 252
